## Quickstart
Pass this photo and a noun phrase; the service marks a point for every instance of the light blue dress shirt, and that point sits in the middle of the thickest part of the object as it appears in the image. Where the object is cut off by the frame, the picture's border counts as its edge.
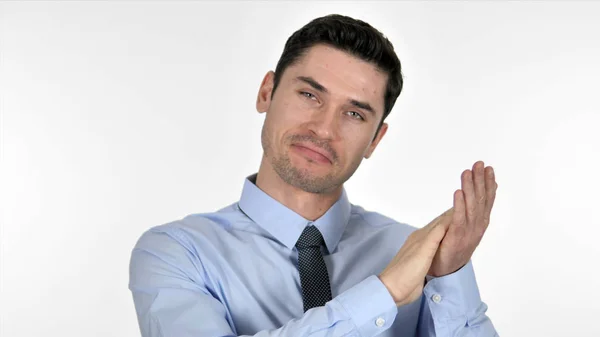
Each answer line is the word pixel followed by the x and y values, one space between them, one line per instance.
pixel 234 272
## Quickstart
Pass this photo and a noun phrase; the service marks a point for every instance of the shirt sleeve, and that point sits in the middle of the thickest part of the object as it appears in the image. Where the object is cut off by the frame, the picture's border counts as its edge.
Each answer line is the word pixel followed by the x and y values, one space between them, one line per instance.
pixel 452 307
pixel 171 299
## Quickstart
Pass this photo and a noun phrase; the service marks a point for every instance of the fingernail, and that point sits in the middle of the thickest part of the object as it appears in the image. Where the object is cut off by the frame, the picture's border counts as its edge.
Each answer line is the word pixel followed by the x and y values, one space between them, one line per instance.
pixel 492 172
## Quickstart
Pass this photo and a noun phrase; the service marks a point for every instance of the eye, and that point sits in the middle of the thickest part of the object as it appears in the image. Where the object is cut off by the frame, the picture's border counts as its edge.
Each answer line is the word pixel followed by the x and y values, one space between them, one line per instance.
pixel 356 115
pixel 307 94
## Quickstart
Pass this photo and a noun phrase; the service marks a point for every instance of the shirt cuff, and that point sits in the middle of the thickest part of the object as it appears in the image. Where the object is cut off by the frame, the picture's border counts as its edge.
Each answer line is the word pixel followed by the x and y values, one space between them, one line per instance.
pixel 370 306
pixel 453 295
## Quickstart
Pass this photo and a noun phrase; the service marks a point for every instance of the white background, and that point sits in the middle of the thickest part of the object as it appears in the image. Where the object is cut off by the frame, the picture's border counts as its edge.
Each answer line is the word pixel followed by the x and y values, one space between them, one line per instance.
pixel 121 116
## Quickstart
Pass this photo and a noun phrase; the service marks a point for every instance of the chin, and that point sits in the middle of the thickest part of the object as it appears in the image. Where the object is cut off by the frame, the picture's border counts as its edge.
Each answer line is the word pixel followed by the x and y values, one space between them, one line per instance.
pixel 314 182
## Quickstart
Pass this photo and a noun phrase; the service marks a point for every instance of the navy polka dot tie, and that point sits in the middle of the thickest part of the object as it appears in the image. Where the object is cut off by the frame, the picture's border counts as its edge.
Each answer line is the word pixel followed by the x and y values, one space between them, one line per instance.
pixel 313 271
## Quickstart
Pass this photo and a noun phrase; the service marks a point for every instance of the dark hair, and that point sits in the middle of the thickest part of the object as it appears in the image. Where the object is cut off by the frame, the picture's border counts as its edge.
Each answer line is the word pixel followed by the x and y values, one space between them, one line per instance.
pixel 350 35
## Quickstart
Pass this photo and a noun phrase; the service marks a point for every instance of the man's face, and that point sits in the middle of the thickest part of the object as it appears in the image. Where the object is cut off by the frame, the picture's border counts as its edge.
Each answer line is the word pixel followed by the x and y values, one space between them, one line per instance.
pixel 322 119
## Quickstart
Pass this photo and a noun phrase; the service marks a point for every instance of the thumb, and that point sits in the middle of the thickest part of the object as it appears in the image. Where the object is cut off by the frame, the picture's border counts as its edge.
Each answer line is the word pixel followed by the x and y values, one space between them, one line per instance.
pixel 443 220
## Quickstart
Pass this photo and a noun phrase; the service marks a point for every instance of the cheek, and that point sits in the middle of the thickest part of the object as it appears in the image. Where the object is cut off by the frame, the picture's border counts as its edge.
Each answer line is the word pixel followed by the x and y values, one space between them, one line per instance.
pixel 355 147
pixel 288 116
pixel 284 112
pixel 279 120
pixel 295 112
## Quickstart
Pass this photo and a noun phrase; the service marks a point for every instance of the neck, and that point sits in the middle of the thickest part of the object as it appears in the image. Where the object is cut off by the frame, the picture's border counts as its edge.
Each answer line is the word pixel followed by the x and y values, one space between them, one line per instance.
pixel 311 206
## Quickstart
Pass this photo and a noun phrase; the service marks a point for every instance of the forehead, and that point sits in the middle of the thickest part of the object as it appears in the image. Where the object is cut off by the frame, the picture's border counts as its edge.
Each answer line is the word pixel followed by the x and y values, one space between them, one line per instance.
pixel 342 74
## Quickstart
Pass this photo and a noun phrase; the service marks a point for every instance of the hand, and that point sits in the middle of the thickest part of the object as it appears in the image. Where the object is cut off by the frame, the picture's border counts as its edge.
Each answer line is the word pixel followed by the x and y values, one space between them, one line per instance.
pixel 404 277
pixel 472 208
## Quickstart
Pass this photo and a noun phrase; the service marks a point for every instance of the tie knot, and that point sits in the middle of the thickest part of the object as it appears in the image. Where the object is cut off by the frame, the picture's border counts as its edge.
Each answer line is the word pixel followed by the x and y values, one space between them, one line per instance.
pixel 310 237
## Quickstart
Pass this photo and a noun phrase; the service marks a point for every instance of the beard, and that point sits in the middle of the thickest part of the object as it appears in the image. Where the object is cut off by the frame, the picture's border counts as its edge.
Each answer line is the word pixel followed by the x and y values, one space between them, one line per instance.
pixel 303 178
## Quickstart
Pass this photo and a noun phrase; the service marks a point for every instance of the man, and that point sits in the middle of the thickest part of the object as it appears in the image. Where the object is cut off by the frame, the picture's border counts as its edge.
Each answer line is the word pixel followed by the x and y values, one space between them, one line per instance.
pixel 294 257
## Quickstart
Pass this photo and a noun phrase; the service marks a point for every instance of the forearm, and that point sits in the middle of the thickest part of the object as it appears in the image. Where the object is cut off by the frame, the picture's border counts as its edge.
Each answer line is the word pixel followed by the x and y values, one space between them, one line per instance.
pixel 363 310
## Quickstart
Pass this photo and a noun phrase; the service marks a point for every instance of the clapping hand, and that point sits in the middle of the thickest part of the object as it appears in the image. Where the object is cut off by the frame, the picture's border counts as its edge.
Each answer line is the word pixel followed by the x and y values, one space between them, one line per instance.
pixel 470 219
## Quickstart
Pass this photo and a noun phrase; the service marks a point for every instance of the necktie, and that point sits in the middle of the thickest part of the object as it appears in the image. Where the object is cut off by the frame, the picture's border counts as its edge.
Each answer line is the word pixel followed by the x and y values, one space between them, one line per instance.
pixel 313 271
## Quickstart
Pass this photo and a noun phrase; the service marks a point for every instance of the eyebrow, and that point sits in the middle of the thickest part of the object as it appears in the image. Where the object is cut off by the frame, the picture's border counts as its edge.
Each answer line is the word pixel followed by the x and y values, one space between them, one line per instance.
pixel 319 87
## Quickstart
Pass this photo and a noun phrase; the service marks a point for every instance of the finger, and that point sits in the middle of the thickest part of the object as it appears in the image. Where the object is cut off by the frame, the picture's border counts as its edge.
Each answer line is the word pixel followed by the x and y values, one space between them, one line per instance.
pixel 479 182
pixel 459 216
pixel 458 228
pixel 469 195
pixel 437 233
pixel 490 189
pixel 442 220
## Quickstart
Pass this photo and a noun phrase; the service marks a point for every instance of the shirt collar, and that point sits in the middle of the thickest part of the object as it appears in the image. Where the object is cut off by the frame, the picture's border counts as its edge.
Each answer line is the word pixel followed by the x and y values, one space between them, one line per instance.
pixel 286 225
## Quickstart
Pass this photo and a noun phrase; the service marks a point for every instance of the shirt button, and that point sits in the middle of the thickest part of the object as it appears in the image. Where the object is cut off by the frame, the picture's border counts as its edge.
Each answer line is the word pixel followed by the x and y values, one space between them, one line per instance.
pixel 436 298
pixel 380 322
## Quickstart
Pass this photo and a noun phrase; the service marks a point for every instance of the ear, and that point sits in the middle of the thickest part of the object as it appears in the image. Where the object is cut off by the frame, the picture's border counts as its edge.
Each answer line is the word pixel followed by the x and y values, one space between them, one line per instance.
pixel 375 141
pixel 263 101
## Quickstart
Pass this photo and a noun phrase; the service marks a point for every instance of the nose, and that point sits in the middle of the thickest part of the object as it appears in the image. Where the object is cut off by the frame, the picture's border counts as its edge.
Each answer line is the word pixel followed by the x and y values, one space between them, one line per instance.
pixel 324 123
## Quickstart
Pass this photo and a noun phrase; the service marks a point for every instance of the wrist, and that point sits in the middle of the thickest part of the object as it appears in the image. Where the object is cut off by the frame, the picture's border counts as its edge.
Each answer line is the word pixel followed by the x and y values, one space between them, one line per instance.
pixel 396 296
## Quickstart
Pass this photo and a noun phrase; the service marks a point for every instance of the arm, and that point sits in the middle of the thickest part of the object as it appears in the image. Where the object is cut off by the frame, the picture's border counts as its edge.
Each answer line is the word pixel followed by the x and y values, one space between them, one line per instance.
pixel 171 298
pixel 452 306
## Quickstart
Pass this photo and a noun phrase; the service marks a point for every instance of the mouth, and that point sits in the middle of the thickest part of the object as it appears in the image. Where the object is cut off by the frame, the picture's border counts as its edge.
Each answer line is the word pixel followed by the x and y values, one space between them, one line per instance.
pixel 316 154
